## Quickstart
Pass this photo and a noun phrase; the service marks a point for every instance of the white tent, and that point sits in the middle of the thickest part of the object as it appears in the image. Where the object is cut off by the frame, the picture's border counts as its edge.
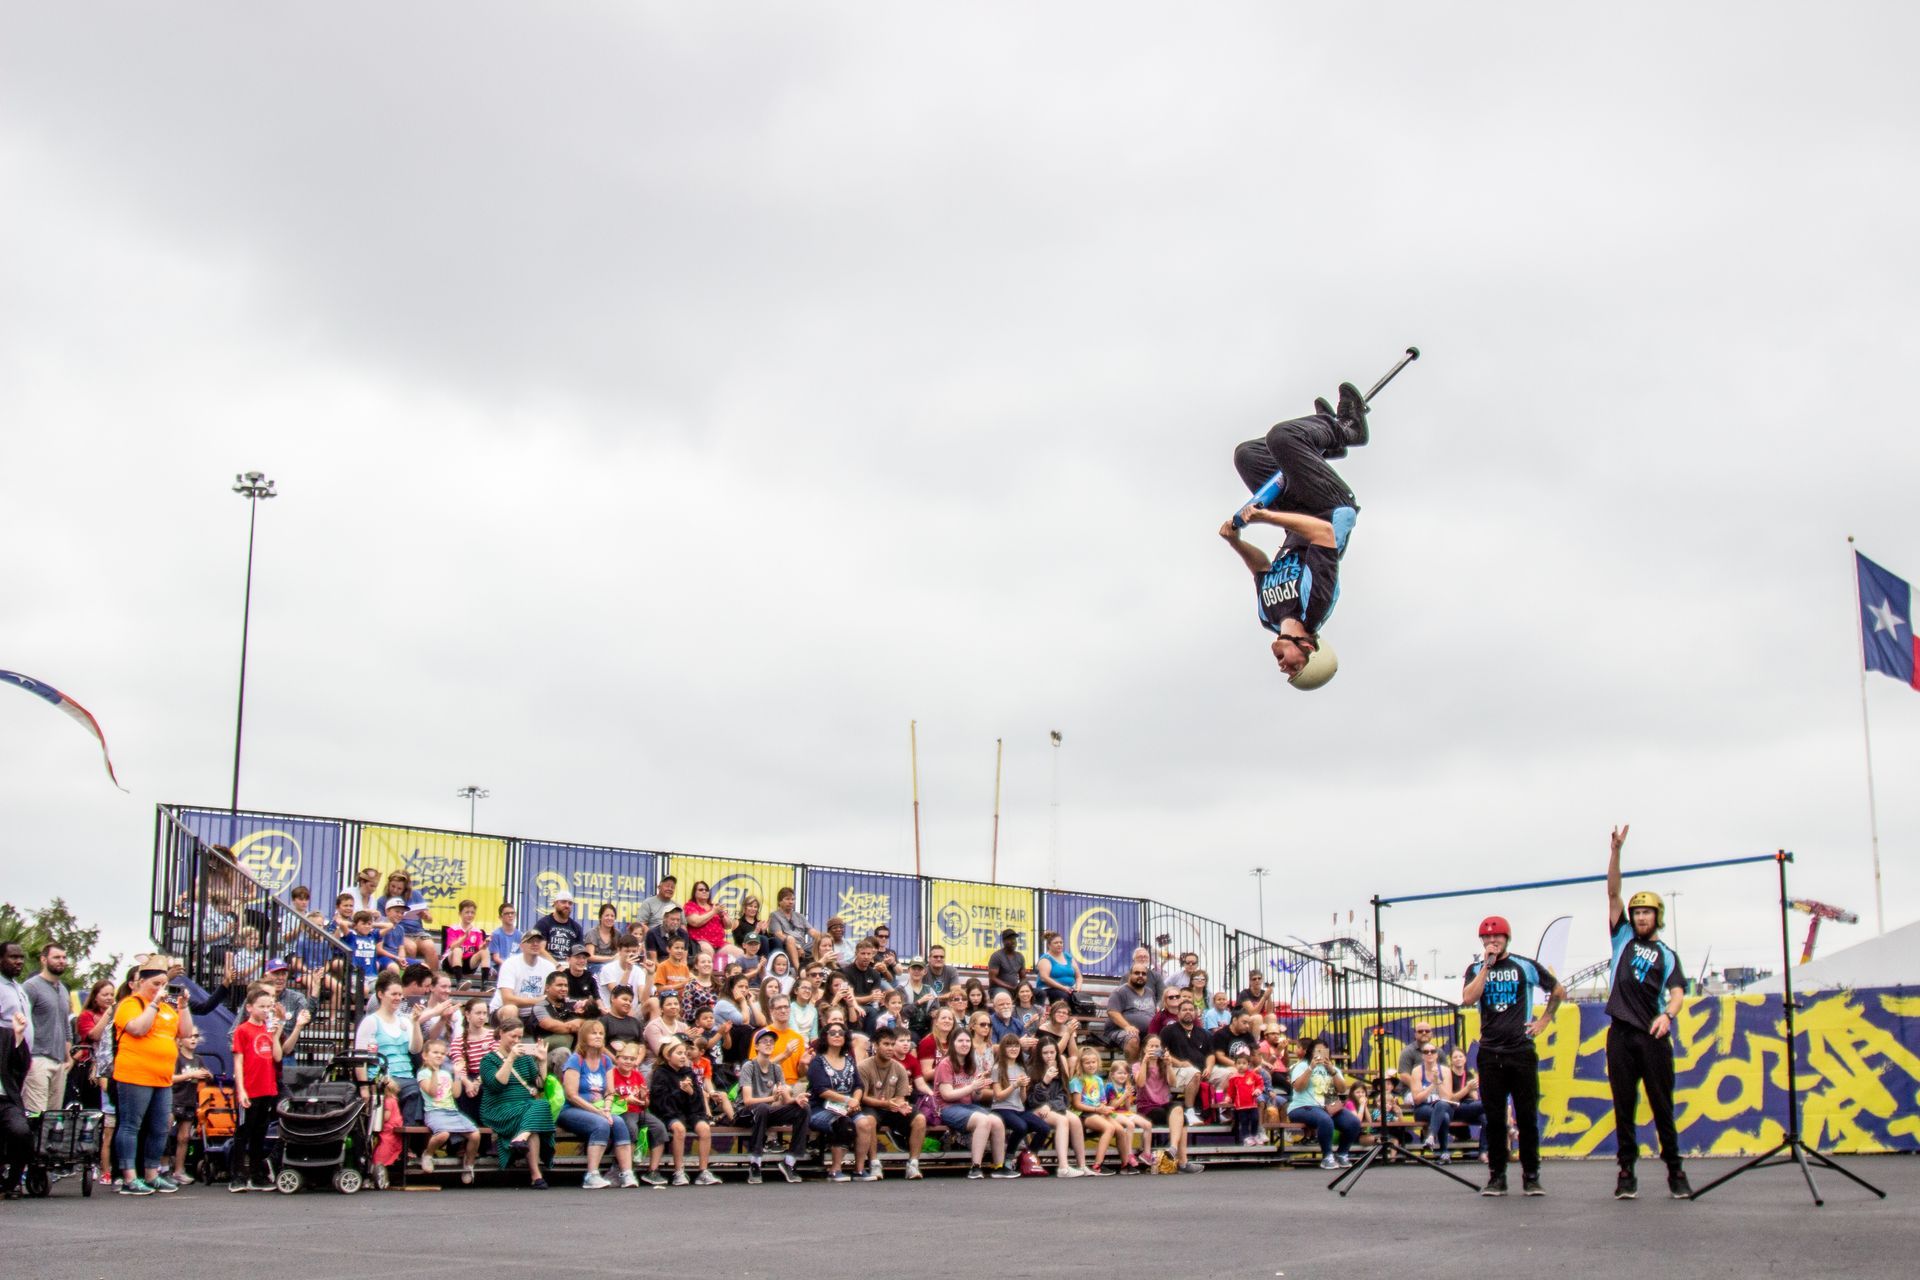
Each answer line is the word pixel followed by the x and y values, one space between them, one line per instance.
pixel 1890 960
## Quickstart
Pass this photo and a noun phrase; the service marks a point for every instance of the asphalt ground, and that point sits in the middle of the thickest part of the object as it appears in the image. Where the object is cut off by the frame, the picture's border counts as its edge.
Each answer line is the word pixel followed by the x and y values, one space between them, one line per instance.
pixel 1399 1222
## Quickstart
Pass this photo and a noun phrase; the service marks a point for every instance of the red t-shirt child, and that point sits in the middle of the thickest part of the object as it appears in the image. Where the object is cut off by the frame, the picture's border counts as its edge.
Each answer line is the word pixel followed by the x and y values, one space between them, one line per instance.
pixel 253 1053
pixel 632 1086
pixel 1243 1089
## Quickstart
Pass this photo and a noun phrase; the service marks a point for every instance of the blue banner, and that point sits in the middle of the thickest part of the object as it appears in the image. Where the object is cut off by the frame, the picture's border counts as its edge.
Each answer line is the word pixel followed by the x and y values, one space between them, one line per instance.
pixel 279 852
pixel 865 899
pixel 623 877
pixel 1101 933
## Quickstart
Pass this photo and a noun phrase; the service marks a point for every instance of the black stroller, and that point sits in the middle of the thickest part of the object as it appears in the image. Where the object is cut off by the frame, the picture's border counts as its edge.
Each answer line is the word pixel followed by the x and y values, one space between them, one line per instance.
pixel 327 1124
pixel 66 1144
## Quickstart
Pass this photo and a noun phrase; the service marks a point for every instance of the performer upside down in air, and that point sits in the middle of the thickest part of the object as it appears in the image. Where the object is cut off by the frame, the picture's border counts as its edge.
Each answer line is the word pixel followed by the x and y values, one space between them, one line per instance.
pixel 1294 488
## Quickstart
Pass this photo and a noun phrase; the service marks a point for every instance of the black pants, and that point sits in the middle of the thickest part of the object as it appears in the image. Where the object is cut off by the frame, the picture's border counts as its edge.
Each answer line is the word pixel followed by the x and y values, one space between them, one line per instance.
pixel 1515 1074
pixel 1297 450
pixel 16 1142
pixel 1636 1059
pixel 792 1117
pixel 251 1140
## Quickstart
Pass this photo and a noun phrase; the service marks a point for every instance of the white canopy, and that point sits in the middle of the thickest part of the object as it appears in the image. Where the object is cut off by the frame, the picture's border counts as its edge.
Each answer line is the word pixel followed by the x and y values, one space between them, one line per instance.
pixel 1890 960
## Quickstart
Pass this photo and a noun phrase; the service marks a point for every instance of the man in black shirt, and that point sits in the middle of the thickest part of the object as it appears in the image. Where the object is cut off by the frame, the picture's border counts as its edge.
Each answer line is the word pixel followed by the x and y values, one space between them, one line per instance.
pixel 1190 1045
pixel 868 989
pixel 1294 488
pixel 583 989
pixel 1502 984
pixel 1647 990
pixel 1006 966
pixel 672 928
pixel 561 930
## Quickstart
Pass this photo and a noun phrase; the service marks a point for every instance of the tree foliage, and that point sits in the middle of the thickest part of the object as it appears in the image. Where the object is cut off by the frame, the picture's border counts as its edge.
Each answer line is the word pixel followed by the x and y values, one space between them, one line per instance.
pixel 56 924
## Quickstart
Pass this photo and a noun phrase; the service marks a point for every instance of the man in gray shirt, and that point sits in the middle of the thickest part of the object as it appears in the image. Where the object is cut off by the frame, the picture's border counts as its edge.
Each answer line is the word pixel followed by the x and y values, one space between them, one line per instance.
pixel 1132 1004
pixel 789 928
pixel 1410 1056
pixel 46 1087
pixel 651 913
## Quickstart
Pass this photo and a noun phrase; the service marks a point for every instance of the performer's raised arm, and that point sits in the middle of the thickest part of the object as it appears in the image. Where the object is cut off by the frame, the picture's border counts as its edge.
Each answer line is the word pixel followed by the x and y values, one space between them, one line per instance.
pixel 1616 909
pixel 1255 559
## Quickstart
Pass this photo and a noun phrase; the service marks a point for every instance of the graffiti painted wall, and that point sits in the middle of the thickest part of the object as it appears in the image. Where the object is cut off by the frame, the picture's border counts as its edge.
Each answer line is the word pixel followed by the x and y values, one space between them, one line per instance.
pixel 1858 1065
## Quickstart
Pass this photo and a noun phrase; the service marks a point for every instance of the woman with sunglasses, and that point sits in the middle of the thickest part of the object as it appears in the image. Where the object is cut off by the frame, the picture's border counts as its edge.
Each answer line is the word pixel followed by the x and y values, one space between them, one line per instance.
pixel 706 921
pixel 833 1087
pixel 1427 1085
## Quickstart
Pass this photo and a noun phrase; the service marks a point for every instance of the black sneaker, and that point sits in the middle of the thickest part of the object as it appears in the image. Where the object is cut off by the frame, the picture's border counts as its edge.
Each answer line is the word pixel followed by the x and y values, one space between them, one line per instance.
pixel 788 1172
pixel 1678 1187
pixel 1321 407
pixel 1530 1185
pixel 1352 415
pixel 753 1176
pixel 976 1172
pixel 1626 1186
pixel 1496 1185
pixel 1004 1171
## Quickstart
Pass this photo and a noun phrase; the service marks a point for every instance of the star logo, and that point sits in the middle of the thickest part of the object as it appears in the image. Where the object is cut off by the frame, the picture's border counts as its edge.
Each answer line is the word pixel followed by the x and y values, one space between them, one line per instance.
pixel 1885 619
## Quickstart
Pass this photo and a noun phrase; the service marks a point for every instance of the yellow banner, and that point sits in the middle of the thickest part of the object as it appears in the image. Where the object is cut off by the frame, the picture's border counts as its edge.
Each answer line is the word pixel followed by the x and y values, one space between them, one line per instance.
pixel 733 882
pixel 968 918
pixel 445 868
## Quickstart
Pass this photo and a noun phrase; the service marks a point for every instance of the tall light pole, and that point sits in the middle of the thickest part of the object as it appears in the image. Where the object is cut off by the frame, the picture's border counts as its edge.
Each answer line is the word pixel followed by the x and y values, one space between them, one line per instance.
pixel 1260 875
pixel 252 486
pixel 472 795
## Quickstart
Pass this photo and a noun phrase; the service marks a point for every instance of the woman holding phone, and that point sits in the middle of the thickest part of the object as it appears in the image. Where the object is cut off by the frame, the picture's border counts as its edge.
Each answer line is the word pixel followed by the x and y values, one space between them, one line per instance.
pixel 513 1099
pixel 150 1022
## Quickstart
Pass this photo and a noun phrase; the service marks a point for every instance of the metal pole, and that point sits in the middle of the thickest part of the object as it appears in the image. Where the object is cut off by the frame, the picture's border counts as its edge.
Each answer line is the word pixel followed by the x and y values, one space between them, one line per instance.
pixel 1567 880
pixel 1053 835
pixel 913 755
pixel 1866 737
pixel 252 486
pixel 993 865
pixel 1259 875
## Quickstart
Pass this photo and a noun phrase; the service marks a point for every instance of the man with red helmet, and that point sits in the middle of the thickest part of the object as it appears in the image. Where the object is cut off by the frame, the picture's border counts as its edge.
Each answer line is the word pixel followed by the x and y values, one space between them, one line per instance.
pixel 1646 991
pixel 1502 984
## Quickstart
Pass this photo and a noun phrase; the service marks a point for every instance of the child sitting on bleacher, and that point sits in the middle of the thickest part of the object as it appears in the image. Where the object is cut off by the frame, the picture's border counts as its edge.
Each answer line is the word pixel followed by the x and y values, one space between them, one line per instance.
pixel 440 1091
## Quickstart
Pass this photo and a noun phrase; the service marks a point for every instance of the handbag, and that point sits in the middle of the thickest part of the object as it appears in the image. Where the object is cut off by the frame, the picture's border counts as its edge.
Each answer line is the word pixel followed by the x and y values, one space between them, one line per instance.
pixel 1082 1006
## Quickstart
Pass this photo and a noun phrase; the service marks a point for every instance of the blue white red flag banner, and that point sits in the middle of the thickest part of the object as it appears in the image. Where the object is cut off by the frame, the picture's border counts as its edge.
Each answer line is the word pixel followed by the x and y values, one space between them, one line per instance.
pixel 39 689
pixel 1886 623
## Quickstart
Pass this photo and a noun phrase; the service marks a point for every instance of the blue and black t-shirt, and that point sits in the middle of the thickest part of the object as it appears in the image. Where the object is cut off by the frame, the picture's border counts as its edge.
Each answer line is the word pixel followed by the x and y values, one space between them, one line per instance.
pixel 1506 1002
pixel 1644 970
pixel 1304 580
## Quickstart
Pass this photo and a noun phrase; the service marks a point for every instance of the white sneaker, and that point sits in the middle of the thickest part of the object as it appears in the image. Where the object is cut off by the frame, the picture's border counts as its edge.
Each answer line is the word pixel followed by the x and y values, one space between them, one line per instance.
pixel 593 1182
pixel 707 1178
pixel 913 1171
pixel 1193 1116
pixel 1069 1171
pixel 1329 1163
pixel 426 1163
pixel 628 1180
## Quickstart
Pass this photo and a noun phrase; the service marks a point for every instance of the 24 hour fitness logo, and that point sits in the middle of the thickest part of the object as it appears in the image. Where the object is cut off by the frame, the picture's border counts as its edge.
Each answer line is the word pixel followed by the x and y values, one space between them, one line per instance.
pixel 271 857
pixel 735 889
pixel 954 922
pixel 1094 935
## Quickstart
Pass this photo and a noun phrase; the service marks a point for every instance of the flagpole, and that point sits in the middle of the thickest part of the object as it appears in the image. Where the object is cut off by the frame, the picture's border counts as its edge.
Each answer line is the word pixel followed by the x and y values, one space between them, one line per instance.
pixel 913 764
pixel 1866 736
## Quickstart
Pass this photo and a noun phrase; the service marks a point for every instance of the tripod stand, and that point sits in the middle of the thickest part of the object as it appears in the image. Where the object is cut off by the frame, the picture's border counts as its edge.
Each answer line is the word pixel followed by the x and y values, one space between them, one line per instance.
pixel 1792 1148
pixel 1386 1142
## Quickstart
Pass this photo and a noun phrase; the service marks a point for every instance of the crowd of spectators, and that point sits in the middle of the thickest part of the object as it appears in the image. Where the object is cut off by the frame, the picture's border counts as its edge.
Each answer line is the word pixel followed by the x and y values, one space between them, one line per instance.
pixel 640 1037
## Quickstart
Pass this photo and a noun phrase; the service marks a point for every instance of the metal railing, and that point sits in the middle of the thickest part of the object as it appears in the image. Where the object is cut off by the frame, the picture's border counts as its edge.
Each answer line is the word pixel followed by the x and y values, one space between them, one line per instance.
pixel 224 926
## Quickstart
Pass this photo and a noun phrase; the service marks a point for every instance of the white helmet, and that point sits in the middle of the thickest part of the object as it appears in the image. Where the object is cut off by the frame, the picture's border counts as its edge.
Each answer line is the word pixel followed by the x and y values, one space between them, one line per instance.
pixel 1321 664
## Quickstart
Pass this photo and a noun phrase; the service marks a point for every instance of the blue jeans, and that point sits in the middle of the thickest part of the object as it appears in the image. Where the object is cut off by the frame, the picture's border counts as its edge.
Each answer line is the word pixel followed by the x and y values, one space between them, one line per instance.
pixel 1343 1120
pixel 146 1119
pixel 1440 1116
pixel 1023 1126
pixel 597 1129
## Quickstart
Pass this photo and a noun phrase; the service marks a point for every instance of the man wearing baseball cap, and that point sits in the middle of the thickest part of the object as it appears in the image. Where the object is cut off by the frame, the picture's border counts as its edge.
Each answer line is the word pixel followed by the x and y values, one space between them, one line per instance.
pixel 1502 984
pixel 1645 993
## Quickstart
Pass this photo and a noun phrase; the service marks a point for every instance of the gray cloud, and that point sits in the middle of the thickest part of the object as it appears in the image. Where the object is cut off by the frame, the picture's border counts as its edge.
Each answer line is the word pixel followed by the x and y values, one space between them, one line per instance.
pixel 669 406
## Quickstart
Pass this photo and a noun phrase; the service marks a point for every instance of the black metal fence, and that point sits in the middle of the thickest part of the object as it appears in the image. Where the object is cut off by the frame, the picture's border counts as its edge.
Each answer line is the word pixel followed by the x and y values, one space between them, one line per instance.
pixel 224 927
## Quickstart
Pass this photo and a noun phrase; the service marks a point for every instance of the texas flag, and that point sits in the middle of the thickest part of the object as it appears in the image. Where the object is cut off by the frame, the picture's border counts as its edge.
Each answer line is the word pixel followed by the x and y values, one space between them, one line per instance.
pixel 1886 622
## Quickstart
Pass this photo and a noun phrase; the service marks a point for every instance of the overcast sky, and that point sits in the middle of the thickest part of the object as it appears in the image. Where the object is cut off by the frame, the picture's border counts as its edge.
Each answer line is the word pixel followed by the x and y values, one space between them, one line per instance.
pixel 671 402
